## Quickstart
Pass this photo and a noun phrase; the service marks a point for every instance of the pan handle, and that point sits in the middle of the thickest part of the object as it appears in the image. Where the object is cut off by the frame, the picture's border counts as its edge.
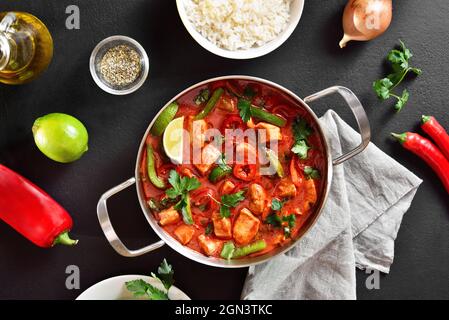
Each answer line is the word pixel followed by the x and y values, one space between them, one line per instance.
pixel 109 232
pixel 359 113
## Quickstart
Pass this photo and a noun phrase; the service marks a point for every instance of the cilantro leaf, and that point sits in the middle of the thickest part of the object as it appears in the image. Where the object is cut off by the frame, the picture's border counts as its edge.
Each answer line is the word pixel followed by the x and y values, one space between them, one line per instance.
pixel 287 221
pixel 301 129
pixel 244 107
pixel 290 219
pixel 301 149
pixel 181 188
pixel 382 88
pixel 229 201
pixel 141 288
pixel 232 200
pixel 165 274
pixel 301 132
pixel 276 204
pixel 225 212
pixel 311 173
pixel 202 97
pixel 402 100
pixel 399 60
pixel 156 294
pixel 274 220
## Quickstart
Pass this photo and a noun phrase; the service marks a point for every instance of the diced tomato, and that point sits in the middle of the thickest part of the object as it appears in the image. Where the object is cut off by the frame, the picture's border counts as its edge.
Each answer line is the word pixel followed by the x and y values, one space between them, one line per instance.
pixel 245 172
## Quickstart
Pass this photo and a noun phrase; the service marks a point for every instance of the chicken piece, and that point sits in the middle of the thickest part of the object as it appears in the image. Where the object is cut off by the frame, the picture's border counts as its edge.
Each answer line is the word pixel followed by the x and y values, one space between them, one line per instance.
pixel 246 227
pixel 257 198
pixel 227 187
pixel 227 103
pixel 310 194
pixel 222 226
pixel 209 246
pixel 197 129
pixel 271 132
pixel 184 233
pixel 209 155
pixel 286 189
pixel 168 216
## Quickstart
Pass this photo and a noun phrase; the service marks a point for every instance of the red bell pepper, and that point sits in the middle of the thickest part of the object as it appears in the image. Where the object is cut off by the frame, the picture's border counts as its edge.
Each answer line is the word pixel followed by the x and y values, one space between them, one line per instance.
pixel 32 212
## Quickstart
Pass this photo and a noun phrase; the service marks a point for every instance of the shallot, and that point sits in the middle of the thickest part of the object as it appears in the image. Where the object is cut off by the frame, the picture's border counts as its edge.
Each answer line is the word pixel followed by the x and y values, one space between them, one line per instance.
pixel 364 20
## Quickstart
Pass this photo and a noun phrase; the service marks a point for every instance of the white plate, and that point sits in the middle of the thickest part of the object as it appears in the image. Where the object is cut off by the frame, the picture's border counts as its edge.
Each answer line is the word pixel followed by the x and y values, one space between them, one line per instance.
pixel 115 289
pixel 296 9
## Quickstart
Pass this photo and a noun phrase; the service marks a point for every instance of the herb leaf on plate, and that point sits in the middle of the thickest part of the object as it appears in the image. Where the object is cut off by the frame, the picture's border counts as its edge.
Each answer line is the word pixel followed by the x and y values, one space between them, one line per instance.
pixel 141 288
pixel 165 274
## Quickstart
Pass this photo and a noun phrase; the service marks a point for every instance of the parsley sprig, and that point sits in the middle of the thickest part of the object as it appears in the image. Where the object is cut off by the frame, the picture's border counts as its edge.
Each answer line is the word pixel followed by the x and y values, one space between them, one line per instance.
pixel 287 222
pixel 181 186
pixel 311 173
pixel 399 60
pixel 244 107
pixel 229 201
pixel 301 132
pixel 141 288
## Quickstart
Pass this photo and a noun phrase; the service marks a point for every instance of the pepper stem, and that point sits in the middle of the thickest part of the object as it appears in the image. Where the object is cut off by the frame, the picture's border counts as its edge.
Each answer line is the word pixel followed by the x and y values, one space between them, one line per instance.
pixel 402 138
pixel 425 119
pixel 64 239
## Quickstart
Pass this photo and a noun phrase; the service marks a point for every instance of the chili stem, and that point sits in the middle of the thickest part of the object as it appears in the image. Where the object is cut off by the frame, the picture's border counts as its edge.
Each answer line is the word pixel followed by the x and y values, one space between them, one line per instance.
pixel 65 239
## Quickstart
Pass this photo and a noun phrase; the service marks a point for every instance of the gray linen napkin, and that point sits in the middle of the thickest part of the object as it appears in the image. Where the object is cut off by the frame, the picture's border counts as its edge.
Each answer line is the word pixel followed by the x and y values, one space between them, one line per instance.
pixel 357 228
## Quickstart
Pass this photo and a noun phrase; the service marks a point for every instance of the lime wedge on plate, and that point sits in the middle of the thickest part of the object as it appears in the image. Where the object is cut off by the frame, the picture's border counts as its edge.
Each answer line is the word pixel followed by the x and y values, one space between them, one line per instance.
pixel 164 119
pixel 173 140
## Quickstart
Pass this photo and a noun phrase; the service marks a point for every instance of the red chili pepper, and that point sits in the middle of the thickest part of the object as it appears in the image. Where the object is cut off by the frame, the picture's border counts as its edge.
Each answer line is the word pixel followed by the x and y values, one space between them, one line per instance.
pixel 295 174
pixel 436 131
pixel 245 172
pixel 425 149
pixel 32 212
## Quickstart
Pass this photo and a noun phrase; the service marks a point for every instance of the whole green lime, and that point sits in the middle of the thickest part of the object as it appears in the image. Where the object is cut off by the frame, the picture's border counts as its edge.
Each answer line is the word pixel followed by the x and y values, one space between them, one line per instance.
pixel 60 137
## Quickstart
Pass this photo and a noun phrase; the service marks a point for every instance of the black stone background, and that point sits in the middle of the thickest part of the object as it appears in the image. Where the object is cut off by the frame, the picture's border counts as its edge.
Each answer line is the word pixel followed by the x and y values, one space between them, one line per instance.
pixel 308 62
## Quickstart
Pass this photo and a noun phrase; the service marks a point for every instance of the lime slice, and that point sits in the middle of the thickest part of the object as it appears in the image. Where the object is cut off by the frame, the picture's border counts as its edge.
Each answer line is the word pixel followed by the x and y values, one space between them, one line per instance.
pixel 173 140
pixel 60 137
pixel 164 119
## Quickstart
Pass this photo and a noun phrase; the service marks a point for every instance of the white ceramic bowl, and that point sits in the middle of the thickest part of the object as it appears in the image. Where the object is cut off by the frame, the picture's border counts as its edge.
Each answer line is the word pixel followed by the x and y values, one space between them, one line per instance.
pixel 296 10
pixel 115 289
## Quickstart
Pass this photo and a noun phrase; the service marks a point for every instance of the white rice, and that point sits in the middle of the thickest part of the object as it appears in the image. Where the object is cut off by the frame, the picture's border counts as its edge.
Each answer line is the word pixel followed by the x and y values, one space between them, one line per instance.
pixel 239 24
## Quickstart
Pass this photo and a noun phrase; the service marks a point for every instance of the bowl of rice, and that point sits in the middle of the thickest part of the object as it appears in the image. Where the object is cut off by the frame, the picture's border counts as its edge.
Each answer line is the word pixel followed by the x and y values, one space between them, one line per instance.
pixel 240 29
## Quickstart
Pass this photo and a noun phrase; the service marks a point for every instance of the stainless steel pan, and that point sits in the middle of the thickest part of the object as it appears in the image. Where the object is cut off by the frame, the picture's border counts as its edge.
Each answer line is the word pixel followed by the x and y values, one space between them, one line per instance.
pixel 364 128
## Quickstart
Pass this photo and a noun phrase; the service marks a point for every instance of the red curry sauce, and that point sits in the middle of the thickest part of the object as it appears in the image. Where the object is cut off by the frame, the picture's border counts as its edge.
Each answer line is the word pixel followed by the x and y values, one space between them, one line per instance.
pixel 201 235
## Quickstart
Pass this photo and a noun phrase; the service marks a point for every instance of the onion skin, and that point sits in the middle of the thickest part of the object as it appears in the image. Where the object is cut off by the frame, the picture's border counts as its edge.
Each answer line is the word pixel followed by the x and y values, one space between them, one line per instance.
pixel 365 20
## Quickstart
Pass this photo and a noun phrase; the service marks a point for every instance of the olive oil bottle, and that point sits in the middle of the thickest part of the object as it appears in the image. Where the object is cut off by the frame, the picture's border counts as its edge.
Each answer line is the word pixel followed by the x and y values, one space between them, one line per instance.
pixel 26 47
